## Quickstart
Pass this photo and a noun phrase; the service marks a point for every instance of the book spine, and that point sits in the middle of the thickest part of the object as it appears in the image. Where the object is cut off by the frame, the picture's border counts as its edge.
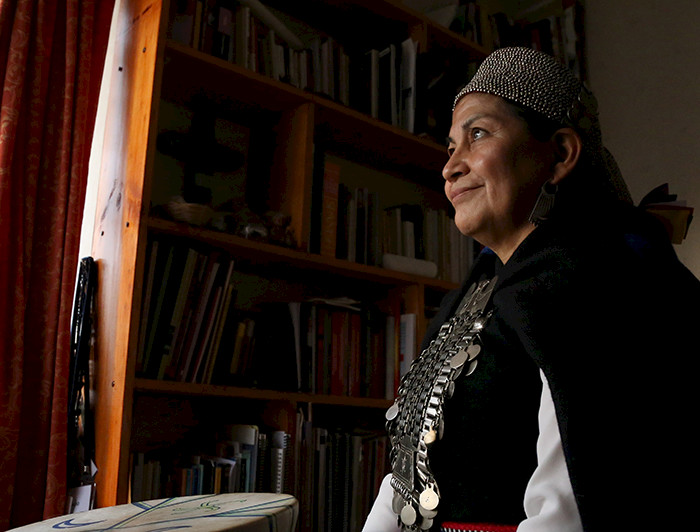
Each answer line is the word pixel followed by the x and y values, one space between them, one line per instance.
pixel 329 209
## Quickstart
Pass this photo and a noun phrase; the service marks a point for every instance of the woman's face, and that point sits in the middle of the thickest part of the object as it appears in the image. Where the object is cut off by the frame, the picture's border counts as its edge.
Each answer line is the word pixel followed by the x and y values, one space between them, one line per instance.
pixel 494 173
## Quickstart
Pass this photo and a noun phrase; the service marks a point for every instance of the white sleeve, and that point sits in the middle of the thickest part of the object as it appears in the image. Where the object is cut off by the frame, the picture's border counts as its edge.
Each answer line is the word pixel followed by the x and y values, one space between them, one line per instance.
pixel 550 505
pixel 382 518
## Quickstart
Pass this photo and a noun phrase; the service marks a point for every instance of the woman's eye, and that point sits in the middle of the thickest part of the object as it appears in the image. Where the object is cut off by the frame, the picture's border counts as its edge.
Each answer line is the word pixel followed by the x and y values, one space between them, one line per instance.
pixel 450 151
pixel 477 133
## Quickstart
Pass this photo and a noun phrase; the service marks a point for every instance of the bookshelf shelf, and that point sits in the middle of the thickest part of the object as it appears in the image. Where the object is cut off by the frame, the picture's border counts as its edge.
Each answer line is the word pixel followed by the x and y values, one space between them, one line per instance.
pixel 261 252
pixel 209 390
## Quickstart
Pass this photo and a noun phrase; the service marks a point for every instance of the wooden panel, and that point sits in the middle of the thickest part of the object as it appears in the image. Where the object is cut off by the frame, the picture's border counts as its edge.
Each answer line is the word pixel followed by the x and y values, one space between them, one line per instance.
pixel 290 182
pixel 115 244
pixel 359 137
pixel 414 303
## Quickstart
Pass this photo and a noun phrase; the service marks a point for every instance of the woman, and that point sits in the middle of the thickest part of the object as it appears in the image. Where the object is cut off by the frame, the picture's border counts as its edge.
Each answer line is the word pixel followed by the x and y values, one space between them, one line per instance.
pixel 552 392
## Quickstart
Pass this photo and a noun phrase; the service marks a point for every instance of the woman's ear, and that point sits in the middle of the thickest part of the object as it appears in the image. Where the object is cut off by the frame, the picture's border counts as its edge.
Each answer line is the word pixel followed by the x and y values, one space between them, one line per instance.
pixel 568 146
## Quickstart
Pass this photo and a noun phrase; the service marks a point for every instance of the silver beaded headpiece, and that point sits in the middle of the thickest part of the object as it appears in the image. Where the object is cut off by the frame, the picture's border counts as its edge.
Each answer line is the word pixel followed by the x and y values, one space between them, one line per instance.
pixel 538 82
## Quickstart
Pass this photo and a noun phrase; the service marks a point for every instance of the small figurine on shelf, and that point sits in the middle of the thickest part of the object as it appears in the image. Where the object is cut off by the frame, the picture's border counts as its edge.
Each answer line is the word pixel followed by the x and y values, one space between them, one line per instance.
pixel 279 231
pixel 237 218
pixel 192 213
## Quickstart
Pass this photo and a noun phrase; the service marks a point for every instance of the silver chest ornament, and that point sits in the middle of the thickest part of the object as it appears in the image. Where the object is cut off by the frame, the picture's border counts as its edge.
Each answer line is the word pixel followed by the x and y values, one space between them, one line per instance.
pixel 415 419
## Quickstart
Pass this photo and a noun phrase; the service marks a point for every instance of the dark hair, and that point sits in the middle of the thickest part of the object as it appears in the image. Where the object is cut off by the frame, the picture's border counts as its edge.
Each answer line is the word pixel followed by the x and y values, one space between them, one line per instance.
pixel 541 127
pixel 586 183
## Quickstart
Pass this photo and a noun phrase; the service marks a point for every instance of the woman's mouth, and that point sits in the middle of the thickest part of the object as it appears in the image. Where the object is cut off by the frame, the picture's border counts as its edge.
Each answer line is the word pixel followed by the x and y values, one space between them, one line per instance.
pixel 457 194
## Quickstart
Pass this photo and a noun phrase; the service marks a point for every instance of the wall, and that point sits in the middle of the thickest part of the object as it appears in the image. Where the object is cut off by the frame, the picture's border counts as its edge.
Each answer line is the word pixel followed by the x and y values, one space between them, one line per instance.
pixel 644 67
pixel 96 151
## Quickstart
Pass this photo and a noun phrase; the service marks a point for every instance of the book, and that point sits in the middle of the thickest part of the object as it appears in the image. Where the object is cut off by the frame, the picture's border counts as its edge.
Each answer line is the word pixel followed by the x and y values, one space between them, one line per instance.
pixel 410 265
pixel 187 323
pixel 320 436
pixel 392 372
pixel 308 317
pixel 207 342
pixel 355 345
pixel 407 108
pixel 407 342
pixel 204 341
pixel 235 366
pixel 169 315
pixel 295 315
pixel 228 301
pixel 247 437
pixel 375 229
pixel 307 511
pixel 372 58
pixel 344 75
pixel 339 358
pixel 361 224
pixel 344 234
pixel 197 27
pixel 327 67
pixel 210 17
pixel 224 34
pixel 386 91
pixel 181 21
pixel 198 318
pixel 274 22
pixel 323 350
pixel 431 237
pixel 373 351
pixel 329 209
pixel 178 311
pixel 147 302
pixel 242 35
pixel 278 461
pixel 137 477
pixel 262 474
pixel 248 348
pixel 162 273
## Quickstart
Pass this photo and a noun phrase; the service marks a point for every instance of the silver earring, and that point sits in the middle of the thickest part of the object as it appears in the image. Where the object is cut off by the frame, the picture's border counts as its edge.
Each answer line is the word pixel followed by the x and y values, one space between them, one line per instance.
pixel 544 204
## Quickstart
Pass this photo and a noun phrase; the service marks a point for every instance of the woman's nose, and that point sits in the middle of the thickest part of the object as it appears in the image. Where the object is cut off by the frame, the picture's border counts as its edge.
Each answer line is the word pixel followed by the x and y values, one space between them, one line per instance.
pixel 455 167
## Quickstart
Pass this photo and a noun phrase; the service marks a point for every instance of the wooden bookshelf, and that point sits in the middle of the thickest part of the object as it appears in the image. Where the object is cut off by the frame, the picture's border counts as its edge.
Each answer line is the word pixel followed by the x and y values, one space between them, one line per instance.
pixel 150 69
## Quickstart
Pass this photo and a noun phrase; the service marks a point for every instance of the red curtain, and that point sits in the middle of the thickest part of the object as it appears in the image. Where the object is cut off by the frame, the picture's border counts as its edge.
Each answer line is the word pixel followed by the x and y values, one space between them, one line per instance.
pixel 51 58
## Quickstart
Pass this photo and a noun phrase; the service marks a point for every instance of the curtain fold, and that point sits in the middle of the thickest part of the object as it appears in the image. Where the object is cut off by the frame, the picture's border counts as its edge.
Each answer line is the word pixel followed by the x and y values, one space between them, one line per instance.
pixel 51 59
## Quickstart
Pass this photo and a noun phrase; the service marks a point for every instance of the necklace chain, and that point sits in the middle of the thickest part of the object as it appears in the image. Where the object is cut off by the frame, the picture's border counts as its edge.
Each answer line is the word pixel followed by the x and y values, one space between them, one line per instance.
pixel 415 420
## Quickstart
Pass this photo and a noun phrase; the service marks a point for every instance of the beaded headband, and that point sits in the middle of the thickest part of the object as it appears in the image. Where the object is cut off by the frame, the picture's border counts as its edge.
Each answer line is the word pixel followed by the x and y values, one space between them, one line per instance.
pixel 538 82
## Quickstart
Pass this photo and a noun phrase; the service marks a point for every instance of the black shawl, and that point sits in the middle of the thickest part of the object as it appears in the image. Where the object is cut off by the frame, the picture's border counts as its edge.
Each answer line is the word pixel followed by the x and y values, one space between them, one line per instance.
pixel 600 303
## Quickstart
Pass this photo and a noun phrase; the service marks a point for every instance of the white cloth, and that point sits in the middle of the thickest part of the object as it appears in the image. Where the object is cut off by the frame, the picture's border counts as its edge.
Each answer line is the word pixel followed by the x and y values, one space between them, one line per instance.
pixel 382 518
pixel 549 498
pixel 549 503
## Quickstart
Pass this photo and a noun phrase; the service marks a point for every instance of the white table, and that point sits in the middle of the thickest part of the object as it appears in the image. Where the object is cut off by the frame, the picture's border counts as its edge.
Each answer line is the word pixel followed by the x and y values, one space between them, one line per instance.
pixel 242 512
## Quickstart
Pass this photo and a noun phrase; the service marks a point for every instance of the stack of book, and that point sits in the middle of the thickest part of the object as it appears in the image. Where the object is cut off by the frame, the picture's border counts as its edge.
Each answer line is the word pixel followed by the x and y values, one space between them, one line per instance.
pixel 192 332
pixel 350 223
pixel 343 349
pixel 187 298
pixel 244 460
pixel 554 28
pixel 334 472
pixel 341 472
pixel 379 82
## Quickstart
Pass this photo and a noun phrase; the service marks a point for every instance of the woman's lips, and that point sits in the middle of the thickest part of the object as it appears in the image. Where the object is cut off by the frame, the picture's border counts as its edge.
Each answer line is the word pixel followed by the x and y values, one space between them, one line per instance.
pixel 461 192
